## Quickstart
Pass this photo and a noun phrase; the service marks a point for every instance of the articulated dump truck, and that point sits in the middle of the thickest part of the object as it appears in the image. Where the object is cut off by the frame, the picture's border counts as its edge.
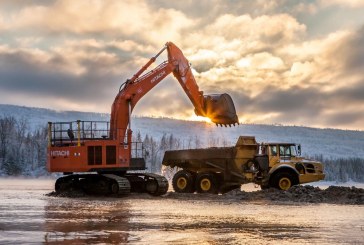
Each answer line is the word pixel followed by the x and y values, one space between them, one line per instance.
pixel 221 169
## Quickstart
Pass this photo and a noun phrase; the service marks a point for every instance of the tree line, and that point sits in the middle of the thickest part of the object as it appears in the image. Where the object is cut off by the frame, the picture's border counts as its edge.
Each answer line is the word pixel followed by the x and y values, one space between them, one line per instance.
pixel 342 169
pixel 23 151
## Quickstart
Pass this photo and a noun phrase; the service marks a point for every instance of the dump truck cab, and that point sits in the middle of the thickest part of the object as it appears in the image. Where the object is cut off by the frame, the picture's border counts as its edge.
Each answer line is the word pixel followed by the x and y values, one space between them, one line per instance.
pixel 285 160
pixel 281 152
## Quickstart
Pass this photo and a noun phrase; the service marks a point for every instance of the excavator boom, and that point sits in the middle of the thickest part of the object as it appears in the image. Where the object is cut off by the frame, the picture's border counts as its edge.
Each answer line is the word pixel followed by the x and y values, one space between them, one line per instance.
pixel 218 107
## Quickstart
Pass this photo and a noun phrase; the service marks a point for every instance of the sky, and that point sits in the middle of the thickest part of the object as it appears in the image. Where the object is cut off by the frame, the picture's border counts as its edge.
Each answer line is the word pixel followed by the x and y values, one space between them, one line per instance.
pixel 283 62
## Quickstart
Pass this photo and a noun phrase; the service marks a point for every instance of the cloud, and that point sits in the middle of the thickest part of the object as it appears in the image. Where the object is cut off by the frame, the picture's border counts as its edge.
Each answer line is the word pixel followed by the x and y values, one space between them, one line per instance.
pixel 263 53
pixel 344 3
pixel 106 18
pixel 51 77
pixel 246 34
pixel 2 24
pixel 351 52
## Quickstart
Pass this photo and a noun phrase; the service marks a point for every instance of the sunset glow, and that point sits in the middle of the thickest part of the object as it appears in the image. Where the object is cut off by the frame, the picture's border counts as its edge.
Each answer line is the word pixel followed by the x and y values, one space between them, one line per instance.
pixel 199 119
pixel 286 62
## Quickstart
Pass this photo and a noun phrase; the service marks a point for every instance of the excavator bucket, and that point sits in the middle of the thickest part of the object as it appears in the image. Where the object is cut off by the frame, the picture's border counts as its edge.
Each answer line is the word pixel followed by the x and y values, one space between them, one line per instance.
pixel 220 109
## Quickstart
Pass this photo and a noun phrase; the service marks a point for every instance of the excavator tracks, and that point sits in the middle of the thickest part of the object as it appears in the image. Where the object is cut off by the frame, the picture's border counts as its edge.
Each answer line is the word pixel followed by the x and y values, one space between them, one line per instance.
pixel 119 185
pixel 113 184
pixel 153 184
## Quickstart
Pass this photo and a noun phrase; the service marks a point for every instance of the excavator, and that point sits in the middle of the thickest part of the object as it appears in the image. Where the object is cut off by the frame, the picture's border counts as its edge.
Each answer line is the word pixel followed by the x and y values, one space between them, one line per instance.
pixel 102 157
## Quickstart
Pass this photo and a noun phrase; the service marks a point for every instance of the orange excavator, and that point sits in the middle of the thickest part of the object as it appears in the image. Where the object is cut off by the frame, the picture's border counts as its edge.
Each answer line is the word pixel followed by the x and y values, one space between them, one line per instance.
pixel 102 157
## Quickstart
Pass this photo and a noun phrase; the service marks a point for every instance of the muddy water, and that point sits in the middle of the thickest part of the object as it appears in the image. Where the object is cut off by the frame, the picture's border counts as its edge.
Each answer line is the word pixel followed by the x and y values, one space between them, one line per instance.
pixel 28 216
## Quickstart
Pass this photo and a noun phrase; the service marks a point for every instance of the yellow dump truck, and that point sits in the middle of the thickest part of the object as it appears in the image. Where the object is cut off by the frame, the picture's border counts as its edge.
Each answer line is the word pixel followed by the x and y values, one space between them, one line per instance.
pixel 221 169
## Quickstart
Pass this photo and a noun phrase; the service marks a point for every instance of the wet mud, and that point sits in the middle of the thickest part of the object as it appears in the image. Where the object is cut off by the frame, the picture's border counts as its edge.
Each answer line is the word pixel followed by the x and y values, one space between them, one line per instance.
pixel 300 194
pixel 305 194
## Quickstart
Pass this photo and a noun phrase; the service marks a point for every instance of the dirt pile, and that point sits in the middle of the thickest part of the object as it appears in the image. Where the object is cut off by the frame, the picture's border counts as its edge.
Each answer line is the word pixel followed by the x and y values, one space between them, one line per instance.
pixel 299 193
pixel 310 194
pixel 69 193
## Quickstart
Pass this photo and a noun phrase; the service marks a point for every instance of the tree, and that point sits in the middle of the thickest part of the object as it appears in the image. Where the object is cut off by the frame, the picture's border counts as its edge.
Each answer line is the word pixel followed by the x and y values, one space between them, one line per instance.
pixel 7 129
pixel 12 167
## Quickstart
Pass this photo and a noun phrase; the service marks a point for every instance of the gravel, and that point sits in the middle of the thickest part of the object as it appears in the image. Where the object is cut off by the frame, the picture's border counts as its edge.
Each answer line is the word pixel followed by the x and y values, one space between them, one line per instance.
pixel 296 194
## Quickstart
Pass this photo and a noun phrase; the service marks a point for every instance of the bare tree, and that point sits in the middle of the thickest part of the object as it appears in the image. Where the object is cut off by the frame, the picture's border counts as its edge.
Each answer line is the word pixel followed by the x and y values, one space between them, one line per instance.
pixel 7 128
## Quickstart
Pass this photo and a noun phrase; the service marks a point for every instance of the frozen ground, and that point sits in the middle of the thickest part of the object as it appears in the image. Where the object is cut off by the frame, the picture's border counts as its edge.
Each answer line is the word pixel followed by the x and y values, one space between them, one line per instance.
pixel 28 216
pixel 325 184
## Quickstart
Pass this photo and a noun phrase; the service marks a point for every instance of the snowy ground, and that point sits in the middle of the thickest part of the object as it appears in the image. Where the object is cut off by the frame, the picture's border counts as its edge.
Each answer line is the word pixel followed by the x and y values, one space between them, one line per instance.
pixel 325 184
pixel 327 142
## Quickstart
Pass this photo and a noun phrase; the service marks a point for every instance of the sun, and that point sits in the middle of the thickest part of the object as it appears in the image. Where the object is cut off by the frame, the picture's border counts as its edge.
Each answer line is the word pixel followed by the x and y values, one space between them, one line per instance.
pixel 199 119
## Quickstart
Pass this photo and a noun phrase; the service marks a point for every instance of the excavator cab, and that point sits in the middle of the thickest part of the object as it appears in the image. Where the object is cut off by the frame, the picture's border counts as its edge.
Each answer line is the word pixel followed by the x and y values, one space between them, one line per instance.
pixel 220 109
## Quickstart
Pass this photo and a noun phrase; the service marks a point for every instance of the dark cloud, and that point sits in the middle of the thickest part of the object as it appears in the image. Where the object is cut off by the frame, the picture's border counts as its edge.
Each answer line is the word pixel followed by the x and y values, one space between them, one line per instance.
pixel 352 52
pixel 14 4
pixel 350 95
pixel 22 73
pixel 242 100
pixel 305 106
pixel 292 100
pixel 295 105
pixel 344 118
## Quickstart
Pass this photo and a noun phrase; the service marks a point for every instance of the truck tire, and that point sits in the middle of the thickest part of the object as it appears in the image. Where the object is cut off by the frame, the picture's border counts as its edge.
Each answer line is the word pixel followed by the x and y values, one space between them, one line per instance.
pixel 206 183
pixel 183 182
pixel 283 180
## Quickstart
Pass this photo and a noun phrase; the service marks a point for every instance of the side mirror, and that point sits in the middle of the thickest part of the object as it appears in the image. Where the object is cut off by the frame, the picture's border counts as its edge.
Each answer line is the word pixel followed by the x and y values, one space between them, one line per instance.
pixel 299 150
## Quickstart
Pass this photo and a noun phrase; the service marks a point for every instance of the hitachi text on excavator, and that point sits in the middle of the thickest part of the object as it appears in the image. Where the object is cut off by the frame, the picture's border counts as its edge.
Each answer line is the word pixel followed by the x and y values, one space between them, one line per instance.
pixel 104 155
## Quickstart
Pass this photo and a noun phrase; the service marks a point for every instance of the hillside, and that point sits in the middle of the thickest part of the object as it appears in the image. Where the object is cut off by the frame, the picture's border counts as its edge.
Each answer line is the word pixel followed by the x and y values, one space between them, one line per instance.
pixel 331 143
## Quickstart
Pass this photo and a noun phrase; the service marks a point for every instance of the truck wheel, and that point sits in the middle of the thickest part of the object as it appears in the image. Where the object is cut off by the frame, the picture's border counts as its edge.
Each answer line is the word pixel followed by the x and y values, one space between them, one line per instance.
pixel 206 183
pixel 183 182
pixel 283 180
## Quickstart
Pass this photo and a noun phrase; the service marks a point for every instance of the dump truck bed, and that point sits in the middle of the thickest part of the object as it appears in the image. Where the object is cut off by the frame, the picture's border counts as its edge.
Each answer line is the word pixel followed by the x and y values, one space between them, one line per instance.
pixel 180 156
pixel 213 158
pixel 216 159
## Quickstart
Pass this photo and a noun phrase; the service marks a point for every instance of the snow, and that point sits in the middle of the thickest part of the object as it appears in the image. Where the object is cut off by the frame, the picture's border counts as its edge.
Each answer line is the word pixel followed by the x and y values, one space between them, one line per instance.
pixel 324 184
pixel 331 143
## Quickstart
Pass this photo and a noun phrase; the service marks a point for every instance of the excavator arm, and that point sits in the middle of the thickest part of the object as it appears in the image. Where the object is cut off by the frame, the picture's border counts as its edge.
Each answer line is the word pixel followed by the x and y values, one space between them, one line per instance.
pixel 219 107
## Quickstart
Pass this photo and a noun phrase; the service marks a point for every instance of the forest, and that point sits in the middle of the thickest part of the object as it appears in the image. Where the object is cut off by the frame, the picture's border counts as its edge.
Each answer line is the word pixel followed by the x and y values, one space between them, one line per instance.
pixel 23 152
